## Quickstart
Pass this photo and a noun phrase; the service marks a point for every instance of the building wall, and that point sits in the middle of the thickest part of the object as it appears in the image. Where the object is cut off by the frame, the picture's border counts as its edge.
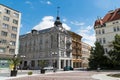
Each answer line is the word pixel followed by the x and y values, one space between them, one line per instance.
pixel 85 54
pixel 110 30
pixel 9 33
pixel 76 50
pixel 49 45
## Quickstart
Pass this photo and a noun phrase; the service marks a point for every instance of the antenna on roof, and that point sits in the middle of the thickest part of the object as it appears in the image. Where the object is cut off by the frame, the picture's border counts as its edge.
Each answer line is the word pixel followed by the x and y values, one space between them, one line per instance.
pixel 58 10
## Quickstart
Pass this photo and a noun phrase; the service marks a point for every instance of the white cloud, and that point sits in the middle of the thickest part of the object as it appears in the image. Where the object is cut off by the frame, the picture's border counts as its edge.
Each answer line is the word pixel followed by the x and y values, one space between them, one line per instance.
pixel 77 23
pixel 47 22
pixel 88 35
pixel 64 20
pixel 48 2
pixel 29 3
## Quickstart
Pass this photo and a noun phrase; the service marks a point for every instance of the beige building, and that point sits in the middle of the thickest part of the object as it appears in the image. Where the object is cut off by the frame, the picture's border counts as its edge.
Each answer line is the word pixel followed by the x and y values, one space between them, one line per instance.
pixel 85 54
pixel 107 27
pixel 9 33
pixel 53 45
pixel 76 50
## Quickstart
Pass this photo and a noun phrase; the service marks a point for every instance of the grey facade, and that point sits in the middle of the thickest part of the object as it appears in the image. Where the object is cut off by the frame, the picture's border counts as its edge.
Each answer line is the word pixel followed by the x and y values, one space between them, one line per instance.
pixel 52 45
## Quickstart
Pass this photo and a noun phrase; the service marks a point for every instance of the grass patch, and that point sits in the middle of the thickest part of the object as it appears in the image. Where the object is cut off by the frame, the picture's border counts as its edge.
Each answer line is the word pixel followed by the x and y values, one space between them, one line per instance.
pixel 114 75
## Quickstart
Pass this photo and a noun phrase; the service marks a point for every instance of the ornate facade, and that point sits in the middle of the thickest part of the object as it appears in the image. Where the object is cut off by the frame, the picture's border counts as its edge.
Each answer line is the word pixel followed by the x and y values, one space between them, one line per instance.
pixel 53 45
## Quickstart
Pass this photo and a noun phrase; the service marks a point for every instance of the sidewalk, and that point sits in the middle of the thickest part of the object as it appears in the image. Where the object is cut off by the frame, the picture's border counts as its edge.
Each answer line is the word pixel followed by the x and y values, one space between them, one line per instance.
pixel 103 76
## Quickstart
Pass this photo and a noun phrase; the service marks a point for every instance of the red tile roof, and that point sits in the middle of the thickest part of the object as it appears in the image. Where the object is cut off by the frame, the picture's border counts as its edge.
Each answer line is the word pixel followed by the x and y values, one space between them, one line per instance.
pixel 110 16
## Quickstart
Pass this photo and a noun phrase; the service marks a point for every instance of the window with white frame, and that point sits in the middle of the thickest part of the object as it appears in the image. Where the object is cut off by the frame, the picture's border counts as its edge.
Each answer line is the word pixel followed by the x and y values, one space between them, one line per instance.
pixel 3 33
pixel 12 51
pixel 104 41
pixel 114 29
pixel 3 41
pixel 5 26
pixel 15 21
pixel 5 18
pixel 16 15
pixel 13 36
pixel 7 11
pixel 99 31
pixel 14 28
pixel 2 50
pixel 103 31
pixel 12 43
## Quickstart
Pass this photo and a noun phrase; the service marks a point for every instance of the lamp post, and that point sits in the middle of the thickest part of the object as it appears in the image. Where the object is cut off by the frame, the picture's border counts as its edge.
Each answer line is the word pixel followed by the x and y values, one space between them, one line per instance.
pixel 22 56
pixel 54 62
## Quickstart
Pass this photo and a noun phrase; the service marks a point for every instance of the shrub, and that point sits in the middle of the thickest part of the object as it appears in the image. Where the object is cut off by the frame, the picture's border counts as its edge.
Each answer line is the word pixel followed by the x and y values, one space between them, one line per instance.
pixel 30 73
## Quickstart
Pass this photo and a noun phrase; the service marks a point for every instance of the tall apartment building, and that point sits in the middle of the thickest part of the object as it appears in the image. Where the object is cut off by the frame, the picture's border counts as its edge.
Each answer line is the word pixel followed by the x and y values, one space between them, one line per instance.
pixel 85 54
pixel 9 33
pixel 76 50
pixel 53 45
pixel 107 27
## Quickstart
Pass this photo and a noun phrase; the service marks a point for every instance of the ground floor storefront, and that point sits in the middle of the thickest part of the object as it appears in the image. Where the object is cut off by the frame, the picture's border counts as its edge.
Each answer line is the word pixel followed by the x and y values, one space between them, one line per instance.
pixel 56 63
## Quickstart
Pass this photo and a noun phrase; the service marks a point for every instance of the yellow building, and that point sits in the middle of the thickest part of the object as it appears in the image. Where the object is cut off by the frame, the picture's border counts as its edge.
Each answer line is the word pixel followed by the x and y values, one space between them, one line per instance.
pixel 76 50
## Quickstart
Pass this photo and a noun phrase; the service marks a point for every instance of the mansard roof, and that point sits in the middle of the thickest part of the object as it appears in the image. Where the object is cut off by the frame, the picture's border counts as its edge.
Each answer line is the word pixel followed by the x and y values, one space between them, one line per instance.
pixel 110 16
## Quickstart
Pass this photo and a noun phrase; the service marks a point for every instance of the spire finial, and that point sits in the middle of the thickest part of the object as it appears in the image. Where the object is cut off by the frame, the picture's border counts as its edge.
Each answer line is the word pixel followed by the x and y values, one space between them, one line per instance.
pixel 58 10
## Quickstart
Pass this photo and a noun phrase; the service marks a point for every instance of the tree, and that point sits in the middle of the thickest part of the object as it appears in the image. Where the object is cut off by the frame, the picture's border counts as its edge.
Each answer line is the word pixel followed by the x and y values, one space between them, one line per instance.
pixel 97 57
pixel 114 54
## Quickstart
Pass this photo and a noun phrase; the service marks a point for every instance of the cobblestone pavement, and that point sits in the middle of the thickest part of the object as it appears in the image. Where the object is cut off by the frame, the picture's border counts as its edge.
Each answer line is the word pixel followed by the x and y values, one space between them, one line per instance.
pixel 78 75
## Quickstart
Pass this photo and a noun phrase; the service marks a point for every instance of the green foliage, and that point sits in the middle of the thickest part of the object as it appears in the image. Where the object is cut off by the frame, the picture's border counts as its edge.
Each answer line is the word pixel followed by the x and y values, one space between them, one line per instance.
pixel 97 57
pixel 30 73
pixel 114 54
pixel 15 61
pixel 42 63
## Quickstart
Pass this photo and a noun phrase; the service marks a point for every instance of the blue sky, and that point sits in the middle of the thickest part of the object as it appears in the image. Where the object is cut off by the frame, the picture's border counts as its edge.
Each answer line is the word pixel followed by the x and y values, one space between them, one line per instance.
pixel 76 15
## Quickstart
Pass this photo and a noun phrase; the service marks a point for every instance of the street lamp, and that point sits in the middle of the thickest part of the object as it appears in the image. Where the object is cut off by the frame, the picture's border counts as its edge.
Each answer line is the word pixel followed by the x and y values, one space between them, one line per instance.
pixel 54 62
pixel 22 56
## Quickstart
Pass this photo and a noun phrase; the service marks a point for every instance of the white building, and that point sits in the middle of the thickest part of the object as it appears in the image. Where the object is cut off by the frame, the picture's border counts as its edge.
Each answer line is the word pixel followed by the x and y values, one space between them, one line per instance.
pixel 52 45
pixel 9 34
pixel 107 28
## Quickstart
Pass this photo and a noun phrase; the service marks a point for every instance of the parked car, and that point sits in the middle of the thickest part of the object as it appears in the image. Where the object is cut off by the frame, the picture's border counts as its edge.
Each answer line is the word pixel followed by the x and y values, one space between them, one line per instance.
pixel 67 68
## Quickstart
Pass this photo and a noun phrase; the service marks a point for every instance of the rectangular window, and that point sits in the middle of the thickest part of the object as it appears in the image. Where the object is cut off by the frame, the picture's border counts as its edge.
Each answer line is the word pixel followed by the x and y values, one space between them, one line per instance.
pixel 14 28
pixel 3 41
pixel 100 41
pixel 15 21
pixel 5 26
pixel 114 29
pixel 118 28
pixel 2 50
pixel 103 31
pixel 12 43
pixel 12 51
pixel 16 15
pixel 13 36
pixel 3 33
pixel 5 18
pixel 99 32
pixel 104 41
pixel 7 11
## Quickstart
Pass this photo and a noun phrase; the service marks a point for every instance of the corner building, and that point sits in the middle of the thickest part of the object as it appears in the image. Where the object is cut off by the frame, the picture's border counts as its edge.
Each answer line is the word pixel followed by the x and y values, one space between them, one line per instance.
pixel 107 27
pixel 53 45
pixel 9 34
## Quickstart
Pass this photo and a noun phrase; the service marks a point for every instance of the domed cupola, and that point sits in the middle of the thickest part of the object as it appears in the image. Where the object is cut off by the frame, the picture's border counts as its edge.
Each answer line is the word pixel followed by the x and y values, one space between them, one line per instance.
pixel 57 22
